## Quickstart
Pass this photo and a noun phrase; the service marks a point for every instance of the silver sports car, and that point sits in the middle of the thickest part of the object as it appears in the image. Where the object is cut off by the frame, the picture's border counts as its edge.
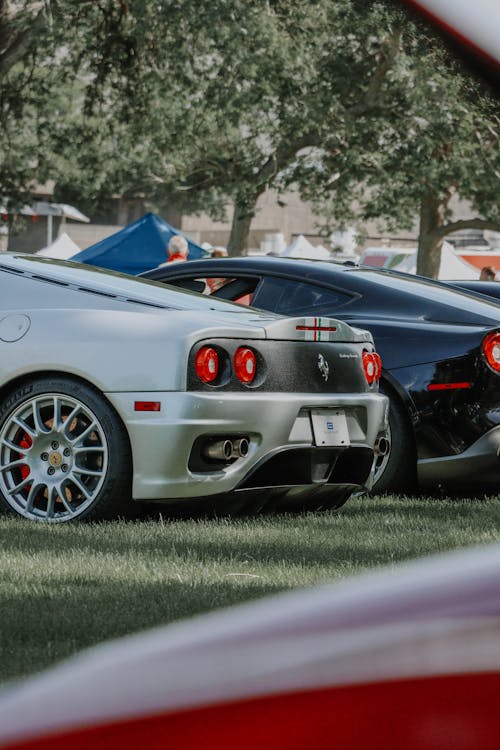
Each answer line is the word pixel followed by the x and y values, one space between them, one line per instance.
pixel 114 388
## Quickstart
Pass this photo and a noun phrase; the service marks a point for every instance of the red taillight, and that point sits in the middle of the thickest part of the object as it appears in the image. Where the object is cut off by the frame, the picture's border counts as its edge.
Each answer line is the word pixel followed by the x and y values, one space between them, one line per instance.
pixel 245 364
pixel 491 350
pixel 372 365
pixel 378 362
pixel 206 364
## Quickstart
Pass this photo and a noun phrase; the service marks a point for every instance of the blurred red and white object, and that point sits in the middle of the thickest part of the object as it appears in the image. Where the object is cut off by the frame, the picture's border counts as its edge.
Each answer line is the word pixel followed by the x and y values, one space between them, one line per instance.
pixel 402 658
pixel 475 23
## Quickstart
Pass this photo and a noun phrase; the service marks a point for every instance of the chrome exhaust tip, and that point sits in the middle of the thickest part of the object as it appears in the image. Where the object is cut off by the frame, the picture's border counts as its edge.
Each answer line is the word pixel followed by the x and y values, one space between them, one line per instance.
pixel 219 450
pixel 382 446
pixel 240 448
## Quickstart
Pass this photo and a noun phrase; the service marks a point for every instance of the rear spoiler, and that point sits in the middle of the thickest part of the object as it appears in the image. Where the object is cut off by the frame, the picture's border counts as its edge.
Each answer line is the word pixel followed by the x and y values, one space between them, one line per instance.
pixel 316 329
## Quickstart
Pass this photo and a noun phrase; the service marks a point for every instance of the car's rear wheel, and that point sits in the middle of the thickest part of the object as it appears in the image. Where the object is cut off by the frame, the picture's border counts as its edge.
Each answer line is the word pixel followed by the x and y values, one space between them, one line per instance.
pixel 64 453
pixel 396 470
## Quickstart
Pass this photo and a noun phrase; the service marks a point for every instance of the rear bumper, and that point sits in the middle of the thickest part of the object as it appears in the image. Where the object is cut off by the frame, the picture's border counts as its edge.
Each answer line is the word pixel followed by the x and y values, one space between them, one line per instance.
pixel 279 429
pixel 478 466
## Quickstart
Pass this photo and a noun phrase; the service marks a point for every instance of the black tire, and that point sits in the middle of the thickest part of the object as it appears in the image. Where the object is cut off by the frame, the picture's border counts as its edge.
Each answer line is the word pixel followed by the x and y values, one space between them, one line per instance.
pixel 397 472
pixel 64 453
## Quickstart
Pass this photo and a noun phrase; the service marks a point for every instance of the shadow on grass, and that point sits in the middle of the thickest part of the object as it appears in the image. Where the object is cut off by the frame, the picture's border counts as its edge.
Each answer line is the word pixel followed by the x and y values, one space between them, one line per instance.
pixel 41 628
pixel 365 533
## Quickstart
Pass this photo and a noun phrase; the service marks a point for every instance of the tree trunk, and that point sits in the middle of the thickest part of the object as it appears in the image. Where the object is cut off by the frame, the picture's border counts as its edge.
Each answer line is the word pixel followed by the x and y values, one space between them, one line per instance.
pixel 432 217
pixel 244 211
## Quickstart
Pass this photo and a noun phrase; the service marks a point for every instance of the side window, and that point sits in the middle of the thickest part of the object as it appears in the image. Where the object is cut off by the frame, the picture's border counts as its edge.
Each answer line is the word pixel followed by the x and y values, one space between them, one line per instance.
pixel 234 289
pixel 288 297
pixel 202 285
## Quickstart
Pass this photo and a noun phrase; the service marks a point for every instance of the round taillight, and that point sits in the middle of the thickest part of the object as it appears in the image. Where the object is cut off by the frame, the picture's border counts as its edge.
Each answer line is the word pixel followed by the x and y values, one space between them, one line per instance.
pixel 378 362
pixel 370 367
pixel 206 364
pixel 245 364
pixel 491 350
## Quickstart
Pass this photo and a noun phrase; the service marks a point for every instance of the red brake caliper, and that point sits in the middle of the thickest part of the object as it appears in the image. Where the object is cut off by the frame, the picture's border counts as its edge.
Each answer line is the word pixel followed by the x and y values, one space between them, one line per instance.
pixel 25 443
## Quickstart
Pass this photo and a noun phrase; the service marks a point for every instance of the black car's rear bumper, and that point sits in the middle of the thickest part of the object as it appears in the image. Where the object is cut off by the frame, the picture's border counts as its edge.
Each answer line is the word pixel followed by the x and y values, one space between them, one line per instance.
pixel 479 465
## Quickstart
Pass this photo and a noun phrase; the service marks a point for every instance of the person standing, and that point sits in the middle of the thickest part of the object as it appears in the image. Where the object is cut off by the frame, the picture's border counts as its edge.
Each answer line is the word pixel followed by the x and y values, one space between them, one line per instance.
pixel 177 250
pixel 219 252
pixel 488 273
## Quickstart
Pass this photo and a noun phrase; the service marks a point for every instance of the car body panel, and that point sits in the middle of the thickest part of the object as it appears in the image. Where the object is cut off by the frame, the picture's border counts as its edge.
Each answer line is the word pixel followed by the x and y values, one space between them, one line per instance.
pixel 184 417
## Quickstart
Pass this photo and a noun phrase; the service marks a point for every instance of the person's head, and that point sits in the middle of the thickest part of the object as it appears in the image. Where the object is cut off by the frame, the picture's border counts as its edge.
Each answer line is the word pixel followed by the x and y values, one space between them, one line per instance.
pixel 219 252
pixel 178 246
pixel 488 273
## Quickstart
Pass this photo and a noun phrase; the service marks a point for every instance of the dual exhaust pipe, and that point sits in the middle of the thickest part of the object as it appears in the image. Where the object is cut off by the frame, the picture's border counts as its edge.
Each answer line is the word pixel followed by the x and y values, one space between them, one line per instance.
pixel 382 446
pixel 226 449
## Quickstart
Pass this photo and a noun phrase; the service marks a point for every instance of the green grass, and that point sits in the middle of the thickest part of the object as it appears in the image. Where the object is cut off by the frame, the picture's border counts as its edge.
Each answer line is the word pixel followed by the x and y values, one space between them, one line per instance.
pixel 64 588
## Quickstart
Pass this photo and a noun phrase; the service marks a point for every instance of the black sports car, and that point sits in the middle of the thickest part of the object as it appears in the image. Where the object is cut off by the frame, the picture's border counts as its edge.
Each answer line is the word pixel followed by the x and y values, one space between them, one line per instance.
pixel 440 349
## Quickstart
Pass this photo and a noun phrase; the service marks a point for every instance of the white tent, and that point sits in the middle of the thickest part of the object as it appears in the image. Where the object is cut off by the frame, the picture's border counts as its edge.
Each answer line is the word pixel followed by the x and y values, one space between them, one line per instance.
pixel 302 248
pixel 62 248
pixel 452 266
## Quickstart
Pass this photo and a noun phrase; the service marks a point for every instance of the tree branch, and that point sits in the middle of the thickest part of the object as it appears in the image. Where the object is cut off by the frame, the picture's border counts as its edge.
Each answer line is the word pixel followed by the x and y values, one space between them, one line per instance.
pixel 456 226
pixel 14 44
pixel 372 97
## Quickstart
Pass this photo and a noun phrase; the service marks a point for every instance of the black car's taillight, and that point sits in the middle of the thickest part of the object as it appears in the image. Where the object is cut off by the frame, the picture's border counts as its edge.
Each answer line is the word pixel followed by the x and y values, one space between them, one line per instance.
pixel 491 350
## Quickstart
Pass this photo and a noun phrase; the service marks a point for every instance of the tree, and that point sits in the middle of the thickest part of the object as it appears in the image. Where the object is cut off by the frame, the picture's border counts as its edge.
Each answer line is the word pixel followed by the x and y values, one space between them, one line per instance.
pixel 438 140
pixel 204 104
pixel 339 99
pixel 265 82
pixel 58 57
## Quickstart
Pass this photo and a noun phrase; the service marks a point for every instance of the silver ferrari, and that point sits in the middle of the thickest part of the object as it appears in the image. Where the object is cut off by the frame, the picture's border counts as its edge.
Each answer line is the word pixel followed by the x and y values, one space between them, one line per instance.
pixel 115 389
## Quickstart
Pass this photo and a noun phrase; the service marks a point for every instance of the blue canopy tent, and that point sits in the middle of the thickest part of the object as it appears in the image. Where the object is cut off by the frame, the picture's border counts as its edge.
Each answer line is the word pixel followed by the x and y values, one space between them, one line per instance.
pixel 137 247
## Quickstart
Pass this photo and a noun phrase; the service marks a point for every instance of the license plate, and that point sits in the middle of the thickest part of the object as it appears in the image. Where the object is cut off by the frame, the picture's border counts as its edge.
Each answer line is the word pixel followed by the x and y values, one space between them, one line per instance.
pixel 330 427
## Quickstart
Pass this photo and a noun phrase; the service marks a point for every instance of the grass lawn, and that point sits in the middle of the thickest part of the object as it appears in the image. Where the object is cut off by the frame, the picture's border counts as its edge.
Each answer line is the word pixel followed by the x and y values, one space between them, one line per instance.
pixel 64 588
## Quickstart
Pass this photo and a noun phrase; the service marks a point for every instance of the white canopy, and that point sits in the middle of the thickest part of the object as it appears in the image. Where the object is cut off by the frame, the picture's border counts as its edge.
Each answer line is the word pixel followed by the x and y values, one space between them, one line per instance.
pixel 302 248
pixel 59 209
pixel 62 248
pixel 452 266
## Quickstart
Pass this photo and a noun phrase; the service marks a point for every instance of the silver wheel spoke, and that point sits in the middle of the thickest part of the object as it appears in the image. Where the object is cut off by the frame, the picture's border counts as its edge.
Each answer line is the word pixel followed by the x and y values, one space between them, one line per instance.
pixel 20 486
pixel 64 499
pixel 83 435
pixel 68 421
pixel 87 472
pixel 89 449
pixel 34 489
pixel 20 423
pixel 51 501
pixel 13 464
pixel 13 446
pixel 40 428
pixel 80 486
pixel 57 414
